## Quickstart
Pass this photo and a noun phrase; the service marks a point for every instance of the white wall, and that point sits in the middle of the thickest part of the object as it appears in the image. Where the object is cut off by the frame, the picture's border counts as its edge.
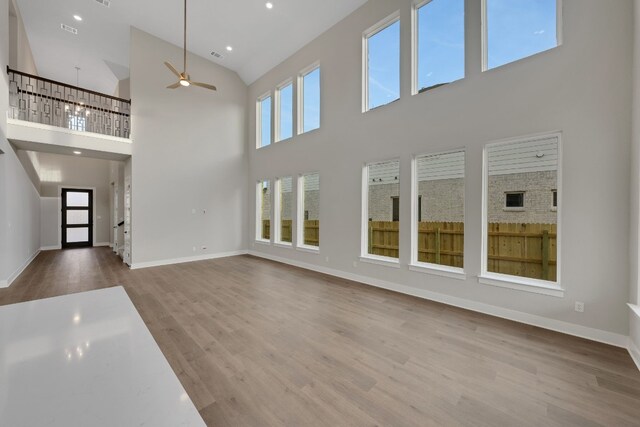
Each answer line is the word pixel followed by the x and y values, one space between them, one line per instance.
pixel 49 223
pixel 189 152
pixel 57 171
pixel 582 88
pixel 19 199
pixel 20 54
pixel 634 229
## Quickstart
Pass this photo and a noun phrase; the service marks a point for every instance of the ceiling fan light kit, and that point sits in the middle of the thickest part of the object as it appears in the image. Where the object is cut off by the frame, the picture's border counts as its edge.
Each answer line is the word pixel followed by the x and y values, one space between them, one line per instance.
pixel 184 78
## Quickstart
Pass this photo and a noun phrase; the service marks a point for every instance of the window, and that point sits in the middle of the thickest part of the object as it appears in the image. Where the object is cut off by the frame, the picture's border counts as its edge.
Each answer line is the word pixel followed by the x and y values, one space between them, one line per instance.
pixel 284 210
pixel 309 100
pixel 517 29
pixel 263 211
pixel 380 231
pixel 514 200
pixel 395 202
pixel 284 112
pixel 381 63
pixel 438 43
pixel 554 202
pixel 263 128
pixel 309 211
pixel 521 242
pixel 438 197
pixel 77 122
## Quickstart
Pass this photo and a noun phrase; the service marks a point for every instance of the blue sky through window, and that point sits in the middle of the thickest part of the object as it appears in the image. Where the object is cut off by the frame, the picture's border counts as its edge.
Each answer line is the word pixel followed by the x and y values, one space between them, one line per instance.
pixel 265 122
pixel 311 101
pixel 440 42
pixel 286 112
pixel 384 66
pixel 519 28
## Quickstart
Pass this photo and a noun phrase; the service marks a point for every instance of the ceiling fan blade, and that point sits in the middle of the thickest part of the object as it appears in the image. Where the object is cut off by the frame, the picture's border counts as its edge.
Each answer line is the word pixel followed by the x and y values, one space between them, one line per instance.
pixel 172 68
pixel 204 85
pixel 173 86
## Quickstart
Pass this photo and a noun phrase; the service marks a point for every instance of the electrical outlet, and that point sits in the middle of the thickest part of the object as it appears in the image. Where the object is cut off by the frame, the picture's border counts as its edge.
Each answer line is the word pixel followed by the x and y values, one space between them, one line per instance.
pixel 579 307
pixel 193 211
pixel 194 249
pixel 326 259
pixel 355 264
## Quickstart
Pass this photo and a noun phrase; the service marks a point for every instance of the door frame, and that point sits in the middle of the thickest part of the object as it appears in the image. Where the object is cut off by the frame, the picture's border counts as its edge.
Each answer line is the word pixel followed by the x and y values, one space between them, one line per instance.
pixel 93 203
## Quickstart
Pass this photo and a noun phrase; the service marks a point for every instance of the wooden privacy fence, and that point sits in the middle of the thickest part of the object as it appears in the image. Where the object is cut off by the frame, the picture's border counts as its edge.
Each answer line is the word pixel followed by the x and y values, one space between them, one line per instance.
pixel 525 250
pixel 311 231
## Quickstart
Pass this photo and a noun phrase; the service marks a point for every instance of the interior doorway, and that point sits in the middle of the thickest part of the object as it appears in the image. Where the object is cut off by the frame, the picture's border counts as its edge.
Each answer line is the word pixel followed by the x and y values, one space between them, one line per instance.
pixel 77 218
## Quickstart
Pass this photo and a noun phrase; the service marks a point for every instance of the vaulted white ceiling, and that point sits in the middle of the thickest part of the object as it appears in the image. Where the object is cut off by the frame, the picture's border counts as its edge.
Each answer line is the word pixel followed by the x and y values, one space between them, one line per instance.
pixel 261 38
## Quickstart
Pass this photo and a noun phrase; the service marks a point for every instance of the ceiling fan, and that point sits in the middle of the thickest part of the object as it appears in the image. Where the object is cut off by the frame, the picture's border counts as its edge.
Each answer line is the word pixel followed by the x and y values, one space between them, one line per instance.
pixel 185 79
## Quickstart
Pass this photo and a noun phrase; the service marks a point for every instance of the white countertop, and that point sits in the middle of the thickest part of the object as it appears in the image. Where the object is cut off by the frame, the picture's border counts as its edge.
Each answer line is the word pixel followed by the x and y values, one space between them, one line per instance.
pixel 86 359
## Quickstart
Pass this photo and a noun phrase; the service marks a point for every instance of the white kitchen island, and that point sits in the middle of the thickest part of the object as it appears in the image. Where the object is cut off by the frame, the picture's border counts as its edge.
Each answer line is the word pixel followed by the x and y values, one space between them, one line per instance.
pixel 86 359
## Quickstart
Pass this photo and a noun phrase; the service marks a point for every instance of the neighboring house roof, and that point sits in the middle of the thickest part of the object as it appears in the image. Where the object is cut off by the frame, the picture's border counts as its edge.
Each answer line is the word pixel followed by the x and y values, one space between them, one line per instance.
pixel 531 155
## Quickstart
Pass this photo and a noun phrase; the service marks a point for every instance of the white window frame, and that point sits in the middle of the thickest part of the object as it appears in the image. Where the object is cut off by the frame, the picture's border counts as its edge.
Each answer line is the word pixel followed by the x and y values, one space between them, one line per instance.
pixel 427 267
pixel 277 214
pixel 300 97
pixel 417 5
pixel 277 113
pixel 526 284
pixel 365 256
pixel 485 35
pixel 258 234
pixel 366 35
pixel 259 120
pixel 522 208
pixel 300 245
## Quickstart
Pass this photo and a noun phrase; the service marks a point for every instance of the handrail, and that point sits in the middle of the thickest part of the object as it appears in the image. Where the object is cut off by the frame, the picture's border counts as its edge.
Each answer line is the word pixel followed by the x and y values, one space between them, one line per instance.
pixel 33 76
pixel 40 100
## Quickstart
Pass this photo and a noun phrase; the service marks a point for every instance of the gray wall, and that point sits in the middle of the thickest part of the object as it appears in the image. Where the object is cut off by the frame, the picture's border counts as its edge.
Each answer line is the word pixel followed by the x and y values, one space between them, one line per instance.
pixel 19 199
pixel 189 153
pixel 582 88
pixel 634 220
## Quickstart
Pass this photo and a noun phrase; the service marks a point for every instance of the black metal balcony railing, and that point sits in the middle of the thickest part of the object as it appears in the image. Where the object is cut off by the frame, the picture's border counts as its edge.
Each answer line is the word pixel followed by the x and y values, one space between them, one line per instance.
pixel 39 100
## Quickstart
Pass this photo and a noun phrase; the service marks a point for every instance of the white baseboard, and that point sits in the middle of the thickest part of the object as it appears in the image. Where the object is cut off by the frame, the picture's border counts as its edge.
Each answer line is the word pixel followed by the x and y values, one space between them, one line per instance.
pixel 14 276
pixel 139 265
pixel 634 352
pixel 593 334
pixel 51 248
pixel 101 244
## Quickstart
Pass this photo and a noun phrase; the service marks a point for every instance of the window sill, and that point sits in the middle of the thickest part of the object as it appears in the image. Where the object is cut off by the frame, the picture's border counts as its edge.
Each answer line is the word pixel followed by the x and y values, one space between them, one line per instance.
pixel 263 242
pixel 283 245
pixel 554 209
pixel 309 249
pixel 439 270
pixel 380 260
pixel 521 284
pixel 635 309
pixel 513 209
pixel 308 131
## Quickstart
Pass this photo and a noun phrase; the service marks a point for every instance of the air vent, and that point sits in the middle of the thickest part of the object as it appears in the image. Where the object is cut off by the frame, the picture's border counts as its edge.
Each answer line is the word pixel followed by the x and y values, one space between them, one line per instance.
pixel 105 3
pixel 216 54
pixel 69 29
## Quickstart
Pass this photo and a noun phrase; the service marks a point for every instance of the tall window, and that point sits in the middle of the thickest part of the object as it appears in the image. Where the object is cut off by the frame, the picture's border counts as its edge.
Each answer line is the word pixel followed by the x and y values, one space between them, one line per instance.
pixel 309 211
pixel 438 200
pixel 381 191
pixel 309 100
pixel 381 63
pixel 263 211
pixel 284 111
pixel 521 232
pixel 515 29
pixel 263 115
pixel 284 210
pixel 439 43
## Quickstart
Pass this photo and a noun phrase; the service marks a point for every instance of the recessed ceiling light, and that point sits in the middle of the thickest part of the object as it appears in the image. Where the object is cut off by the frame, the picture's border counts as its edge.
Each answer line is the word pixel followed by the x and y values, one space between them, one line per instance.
pixel 77 152
pixel 77 17
pixel 269 5
pixel 229 48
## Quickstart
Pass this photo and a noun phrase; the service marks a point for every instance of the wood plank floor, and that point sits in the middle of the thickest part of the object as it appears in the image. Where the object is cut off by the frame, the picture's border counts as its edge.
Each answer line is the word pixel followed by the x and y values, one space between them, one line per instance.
pixel 256 343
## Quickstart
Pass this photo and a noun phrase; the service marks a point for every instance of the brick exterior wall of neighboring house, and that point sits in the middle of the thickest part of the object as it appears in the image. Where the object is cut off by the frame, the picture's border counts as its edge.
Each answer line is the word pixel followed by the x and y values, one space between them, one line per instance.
pixel 538 197
pixel 443 200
